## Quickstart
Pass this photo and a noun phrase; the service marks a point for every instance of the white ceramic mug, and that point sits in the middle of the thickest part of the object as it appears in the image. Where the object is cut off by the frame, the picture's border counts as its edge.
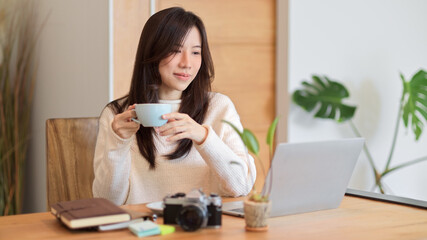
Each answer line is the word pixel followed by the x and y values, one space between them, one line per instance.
pixel 150 114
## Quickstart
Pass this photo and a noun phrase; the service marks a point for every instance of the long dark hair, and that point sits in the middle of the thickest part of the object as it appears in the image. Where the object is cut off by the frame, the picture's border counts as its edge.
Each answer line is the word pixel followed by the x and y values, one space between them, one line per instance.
pixel 161 34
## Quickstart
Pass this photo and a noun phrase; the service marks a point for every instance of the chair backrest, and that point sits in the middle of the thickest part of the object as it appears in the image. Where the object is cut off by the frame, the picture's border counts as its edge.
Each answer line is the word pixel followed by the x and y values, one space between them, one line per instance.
pixel 70 147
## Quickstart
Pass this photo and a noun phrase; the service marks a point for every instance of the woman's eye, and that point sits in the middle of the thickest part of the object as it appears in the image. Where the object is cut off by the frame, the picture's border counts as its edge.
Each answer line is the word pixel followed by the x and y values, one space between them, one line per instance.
pixel 196 53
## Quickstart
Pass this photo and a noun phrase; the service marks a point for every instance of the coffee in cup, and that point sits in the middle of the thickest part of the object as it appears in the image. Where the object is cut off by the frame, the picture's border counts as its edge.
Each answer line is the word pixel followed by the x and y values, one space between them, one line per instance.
pixel 150 114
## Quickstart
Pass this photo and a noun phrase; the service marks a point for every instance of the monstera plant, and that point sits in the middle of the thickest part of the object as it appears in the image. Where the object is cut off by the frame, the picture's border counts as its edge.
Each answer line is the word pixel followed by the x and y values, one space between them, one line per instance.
pixel 325 97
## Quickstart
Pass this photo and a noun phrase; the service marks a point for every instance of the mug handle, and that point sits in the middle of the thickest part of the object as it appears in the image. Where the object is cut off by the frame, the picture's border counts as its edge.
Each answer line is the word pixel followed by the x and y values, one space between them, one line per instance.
pixel 136 120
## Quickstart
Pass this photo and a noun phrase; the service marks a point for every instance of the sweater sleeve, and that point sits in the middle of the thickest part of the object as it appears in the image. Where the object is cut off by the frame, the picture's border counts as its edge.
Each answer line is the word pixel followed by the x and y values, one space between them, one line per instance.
pixel 223 150
pixel 112 162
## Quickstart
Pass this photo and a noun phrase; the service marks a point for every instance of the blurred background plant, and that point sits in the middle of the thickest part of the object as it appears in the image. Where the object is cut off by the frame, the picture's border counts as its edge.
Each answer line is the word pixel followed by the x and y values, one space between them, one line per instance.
pixel 324 97
pixel 18 38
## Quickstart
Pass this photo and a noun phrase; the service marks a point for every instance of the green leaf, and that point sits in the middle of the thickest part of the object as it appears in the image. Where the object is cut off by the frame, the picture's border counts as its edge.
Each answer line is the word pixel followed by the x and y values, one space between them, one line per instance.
pixel 415 102
pixel 258 197
pixel 235 128
pixel 248 138
pixel 329 95
pixel 236 163
pixel 270 133
pixel 251 142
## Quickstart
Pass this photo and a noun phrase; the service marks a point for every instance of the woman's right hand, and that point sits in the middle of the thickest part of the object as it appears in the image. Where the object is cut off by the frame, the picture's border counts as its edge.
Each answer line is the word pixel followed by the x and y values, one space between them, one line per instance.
pixel 123 125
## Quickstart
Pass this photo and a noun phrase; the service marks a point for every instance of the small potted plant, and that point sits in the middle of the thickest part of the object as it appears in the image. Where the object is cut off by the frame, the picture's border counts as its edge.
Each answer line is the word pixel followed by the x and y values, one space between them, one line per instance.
pixel 258 204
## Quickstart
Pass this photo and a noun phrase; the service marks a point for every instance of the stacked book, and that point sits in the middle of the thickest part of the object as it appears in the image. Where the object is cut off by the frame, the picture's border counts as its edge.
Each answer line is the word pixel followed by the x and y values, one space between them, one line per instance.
pixel 91 212
pixel 105 216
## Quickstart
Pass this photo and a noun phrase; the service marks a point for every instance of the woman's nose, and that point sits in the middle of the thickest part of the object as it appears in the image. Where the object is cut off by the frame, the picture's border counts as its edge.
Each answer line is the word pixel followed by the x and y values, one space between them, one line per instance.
pixel 185 60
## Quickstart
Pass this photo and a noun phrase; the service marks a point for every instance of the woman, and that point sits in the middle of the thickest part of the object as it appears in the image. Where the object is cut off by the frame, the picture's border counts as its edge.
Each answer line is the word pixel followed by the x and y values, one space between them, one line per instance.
pixel 194 149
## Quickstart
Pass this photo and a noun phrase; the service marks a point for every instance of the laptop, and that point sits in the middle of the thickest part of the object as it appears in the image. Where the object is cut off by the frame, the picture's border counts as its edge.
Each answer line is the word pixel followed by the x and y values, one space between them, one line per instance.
pixel 308 176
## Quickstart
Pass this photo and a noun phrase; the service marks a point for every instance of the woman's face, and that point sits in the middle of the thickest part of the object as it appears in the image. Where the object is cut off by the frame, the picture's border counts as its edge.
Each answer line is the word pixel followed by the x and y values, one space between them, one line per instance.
pixel 180 68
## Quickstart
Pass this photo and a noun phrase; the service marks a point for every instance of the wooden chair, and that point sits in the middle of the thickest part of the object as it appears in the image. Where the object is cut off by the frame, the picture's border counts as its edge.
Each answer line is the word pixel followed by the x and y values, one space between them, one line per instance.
pixel 70 149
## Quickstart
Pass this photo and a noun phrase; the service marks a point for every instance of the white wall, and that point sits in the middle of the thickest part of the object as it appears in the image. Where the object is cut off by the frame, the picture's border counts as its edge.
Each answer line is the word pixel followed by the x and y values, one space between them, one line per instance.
pixel 365 44
pixel 72 79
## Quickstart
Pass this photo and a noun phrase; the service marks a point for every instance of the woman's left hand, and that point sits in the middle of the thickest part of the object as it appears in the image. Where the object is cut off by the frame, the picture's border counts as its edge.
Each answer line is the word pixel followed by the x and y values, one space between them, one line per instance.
pixel 182 126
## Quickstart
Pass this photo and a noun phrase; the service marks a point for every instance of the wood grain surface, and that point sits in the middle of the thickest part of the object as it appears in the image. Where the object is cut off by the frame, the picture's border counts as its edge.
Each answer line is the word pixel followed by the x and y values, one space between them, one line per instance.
pixel 70 149
pixel 356 218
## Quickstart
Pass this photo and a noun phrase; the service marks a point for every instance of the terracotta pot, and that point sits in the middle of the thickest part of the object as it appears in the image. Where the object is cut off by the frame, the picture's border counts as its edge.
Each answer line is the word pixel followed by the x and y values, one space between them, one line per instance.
pixel 256 215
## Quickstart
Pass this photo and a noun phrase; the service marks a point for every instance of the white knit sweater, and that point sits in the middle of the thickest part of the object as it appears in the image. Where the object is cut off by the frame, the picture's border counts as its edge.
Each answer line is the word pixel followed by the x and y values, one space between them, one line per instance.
pixel 122 174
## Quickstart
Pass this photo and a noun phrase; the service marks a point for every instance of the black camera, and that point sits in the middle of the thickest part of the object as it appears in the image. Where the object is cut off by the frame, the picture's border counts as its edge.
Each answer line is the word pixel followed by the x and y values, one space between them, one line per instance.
pixel 193 211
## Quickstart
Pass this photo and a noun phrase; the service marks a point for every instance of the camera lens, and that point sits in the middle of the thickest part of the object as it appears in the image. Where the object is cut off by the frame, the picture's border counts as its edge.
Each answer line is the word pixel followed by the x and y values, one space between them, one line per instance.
pixel 191 218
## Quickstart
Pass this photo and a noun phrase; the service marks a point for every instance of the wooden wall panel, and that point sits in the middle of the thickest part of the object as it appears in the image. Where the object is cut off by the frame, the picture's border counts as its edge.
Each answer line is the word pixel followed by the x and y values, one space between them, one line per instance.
pixel 241 35
pixel 249 84
pixel 129 19
pixel 237 21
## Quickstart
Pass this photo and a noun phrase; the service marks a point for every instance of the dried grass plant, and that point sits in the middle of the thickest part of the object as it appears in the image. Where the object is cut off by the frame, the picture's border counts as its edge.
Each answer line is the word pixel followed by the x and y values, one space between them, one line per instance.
pixel 18 37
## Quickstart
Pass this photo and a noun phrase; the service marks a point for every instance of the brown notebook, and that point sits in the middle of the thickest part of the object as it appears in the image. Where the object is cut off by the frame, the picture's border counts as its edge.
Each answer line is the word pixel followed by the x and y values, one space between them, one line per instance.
pixel 88 213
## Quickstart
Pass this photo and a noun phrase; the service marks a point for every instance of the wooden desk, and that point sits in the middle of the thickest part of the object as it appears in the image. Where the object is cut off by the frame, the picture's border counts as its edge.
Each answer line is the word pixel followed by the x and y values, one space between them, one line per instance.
pixel 356 218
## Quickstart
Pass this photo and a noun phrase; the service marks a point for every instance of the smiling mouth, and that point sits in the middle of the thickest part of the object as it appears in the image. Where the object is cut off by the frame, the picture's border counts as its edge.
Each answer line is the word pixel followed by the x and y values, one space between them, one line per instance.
pixel 182 76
